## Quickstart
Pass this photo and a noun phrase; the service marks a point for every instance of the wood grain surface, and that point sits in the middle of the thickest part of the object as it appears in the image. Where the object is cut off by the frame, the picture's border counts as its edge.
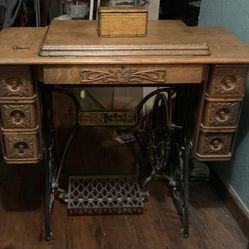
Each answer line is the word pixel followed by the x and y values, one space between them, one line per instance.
pixel 225 47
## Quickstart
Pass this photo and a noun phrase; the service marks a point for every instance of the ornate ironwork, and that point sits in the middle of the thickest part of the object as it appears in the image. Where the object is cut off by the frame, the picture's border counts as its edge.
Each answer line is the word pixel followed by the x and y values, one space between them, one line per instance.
pixel 164 146
pixel 104 194
pixel 109 118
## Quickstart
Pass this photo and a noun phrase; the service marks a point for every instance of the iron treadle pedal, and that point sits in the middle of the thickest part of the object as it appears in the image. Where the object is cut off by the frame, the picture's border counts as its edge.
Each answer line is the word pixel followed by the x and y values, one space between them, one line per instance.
pixel 104 194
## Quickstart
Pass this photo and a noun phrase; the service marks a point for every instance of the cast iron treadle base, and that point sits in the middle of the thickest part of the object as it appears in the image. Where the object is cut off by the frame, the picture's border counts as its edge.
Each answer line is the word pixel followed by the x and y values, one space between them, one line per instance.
pixel 112 194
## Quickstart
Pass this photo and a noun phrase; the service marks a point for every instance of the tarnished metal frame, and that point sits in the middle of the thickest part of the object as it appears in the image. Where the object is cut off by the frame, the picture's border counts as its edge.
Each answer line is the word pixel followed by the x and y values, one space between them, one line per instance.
pixel 170 141
pixel 52 167
pixel 166 148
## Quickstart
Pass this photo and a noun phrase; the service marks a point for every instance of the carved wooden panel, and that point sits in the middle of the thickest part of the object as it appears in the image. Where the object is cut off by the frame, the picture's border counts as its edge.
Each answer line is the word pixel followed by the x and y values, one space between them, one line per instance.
pixel 215 143
pixel 21 147
pixel 221 114
pixel 227 81
pixel 123 74
pixel 18 116
pixel 16 81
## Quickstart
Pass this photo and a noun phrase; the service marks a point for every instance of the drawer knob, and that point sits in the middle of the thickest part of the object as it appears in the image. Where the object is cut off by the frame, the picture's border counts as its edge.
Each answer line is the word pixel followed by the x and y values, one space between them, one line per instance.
pixel 21 147
pixel 216 144
pixel 13 84
pixel 222 115
pixel 228 82
pixel 17 116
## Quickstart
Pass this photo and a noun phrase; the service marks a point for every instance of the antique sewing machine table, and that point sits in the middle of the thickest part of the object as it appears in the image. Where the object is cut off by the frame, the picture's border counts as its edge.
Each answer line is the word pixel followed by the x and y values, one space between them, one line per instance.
pixel 187 63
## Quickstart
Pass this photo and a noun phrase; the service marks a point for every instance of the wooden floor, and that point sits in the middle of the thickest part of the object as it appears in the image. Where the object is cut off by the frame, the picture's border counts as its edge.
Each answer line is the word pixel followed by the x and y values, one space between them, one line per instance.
pixel 21 220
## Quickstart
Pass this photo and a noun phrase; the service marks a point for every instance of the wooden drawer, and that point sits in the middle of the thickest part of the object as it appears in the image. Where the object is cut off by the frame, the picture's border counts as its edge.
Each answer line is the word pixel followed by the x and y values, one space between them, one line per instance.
pixel 18 116
pixel 16 81
pixel 125 74
pixel 21 148
pixel 227 81
pixel 221 114
pixel 215 145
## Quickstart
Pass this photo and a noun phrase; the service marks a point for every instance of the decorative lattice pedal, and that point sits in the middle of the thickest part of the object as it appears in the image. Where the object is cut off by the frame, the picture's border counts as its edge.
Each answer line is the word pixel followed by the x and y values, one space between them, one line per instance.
pixel 110 194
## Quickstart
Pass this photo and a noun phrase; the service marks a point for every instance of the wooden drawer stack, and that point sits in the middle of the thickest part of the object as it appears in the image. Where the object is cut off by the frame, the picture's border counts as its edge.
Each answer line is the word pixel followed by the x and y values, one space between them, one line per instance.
pixel 221 110
pixel 19 115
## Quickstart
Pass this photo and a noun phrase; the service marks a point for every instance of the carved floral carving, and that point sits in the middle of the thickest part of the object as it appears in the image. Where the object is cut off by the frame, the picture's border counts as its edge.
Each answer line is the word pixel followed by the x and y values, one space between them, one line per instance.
pixel 124 75
pixel 18 116
pixel 221 114
pixel 21 147
pixel 228 82
pixel 215 143
pixel 15 83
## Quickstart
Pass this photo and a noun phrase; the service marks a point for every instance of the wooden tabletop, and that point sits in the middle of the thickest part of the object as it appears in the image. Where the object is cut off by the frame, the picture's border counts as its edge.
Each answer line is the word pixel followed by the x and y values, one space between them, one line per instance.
pixel 21 45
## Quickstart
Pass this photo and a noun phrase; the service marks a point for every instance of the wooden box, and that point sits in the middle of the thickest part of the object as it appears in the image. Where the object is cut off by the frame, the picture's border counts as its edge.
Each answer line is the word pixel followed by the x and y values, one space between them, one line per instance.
pixel 122 21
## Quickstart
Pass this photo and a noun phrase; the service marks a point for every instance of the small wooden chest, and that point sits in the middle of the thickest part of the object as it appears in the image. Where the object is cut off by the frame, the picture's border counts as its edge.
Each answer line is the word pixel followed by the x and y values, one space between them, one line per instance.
pixel 122 21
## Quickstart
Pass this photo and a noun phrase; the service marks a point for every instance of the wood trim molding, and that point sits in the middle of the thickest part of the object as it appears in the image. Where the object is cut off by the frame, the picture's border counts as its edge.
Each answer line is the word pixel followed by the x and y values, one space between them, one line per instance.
pixel 232 202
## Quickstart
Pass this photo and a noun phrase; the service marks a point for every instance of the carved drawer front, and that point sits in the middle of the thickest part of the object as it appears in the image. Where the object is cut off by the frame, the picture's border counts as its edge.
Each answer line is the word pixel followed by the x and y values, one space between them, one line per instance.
pixel 123 74
pixel 227 81
pixel 21 148
pixel 16 81
pixel 18 116
pixel 221 114
pixel 215 144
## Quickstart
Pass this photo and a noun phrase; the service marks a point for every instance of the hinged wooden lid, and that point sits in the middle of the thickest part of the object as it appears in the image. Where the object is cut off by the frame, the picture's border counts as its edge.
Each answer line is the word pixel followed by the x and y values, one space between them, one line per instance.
pixel 79 38
pixel 137 9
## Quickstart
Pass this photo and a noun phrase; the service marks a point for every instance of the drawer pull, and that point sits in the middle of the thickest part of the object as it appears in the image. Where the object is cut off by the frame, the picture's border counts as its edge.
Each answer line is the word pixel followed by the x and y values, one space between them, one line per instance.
pixel 21 147
pixel 216 144
pixel 14 84
pixel 222 115
pixel 228 83
pixel 17 117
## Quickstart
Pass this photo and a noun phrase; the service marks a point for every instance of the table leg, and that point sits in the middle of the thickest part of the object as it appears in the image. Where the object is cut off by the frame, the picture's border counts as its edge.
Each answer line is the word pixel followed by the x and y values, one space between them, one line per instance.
pixel 49 158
